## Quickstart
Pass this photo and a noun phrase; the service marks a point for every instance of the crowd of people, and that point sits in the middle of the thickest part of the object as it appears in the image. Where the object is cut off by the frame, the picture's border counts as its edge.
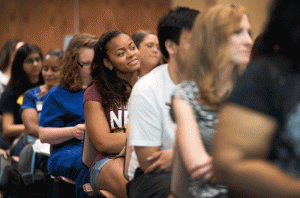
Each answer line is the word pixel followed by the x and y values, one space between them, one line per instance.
pixel 198 110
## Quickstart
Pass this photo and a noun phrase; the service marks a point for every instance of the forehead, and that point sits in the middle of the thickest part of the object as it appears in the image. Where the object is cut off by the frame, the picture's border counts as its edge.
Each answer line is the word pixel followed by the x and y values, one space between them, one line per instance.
pixel 51 59
pixel 245 22
pixel 120 41
pixel 33 55
pixel 150 38
pixel 86 54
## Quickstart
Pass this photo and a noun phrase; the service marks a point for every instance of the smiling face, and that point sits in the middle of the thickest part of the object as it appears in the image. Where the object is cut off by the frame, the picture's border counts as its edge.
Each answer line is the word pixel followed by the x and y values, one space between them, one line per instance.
pixel 123 55
pixel 150 52
pixel 240 43
pixel 51 70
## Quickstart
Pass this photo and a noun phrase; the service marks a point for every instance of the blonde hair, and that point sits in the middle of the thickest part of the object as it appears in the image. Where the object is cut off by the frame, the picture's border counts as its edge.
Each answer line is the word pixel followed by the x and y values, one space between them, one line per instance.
pixel 70 74
pixel 208 51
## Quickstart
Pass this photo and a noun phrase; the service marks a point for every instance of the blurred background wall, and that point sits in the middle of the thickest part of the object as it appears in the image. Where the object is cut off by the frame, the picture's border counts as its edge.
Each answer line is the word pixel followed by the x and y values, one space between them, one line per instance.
pixel 47 22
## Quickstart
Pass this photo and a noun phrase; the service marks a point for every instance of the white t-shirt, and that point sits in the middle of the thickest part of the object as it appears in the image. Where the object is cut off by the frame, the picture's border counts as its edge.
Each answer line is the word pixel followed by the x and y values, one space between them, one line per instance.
pixel 149 113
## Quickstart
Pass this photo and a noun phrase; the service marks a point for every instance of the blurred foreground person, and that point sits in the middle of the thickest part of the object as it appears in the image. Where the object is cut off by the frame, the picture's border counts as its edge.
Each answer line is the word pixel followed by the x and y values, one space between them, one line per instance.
pixel 256 145
pixel 220 47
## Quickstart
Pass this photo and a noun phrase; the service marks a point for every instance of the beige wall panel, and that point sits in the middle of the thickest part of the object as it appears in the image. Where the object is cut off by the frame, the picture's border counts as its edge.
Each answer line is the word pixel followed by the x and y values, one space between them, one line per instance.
pixel 47 22
pixel 257 9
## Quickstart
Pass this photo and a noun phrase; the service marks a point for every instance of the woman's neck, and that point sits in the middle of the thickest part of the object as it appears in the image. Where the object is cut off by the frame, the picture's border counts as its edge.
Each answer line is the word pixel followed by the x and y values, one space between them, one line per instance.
pixel 131 78
pixel 86 81
pixel 33 80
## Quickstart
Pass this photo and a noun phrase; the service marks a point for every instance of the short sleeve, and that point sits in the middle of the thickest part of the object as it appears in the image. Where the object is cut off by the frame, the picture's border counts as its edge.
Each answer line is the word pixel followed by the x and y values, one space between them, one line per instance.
pixel 92 94
pixel 144 118
pixel 29 100
pixel 185 91
pixel 52 113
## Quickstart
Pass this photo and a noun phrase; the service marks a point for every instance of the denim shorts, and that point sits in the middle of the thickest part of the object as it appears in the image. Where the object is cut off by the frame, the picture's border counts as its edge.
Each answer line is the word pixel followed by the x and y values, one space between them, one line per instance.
pixel 95 170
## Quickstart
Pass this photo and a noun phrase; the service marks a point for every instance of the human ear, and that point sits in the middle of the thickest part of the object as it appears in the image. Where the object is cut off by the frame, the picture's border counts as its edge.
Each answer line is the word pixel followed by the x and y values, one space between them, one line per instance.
pixel 170 46
pixel 107 64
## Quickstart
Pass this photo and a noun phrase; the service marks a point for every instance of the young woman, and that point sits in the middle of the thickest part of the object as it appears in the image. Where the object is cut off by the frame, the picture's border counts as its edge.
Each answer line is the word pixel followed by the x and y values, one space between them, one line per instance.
pixel 33 100
pixel 25 74
pixel 220 46
pixel 62 118
pixel 114 72
pixel 256 145
pixel 147 43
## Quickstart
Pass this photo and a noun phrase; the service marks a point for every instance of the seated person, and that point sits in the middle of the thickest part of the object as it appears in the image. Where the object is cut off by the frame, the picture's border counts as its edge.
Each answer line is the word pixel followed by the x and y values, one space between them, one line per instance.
pixel 196 116
pixel 147 43
pixel 25 74
pixel 33 104
pixel 256 144
pixel 62 122
pixel 152 131
pixel 114 72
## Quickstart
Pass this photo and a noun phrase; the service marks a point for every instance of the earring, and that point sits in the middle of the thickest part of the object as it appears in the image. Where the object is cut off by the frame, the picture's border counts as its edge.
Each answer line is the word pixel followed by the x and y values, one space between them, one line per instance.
pixel 110 67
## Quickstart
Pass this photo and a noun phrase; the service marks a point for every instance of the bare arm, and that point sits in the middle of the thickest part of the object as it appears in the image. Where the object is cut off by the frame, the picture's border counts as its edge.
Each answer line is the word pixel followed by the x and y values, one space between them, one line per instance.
pixel 10 129
pixel 195 157
pixel 241 146
pixel 57 135
pixel 31 121
pixel 99 132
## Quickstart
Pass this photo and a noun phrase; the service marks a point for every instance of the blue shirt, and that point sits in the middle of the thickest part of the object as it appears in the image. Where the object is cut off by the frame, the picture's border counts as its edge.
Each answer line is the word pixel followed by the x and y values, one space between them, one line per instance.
pixel 62 108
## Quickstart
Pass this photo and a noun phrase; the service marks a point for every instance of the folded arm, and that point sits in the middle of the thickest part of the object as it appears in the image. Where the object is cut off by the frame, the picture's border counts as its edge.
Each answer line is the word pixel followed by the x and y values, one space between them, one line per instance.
pixel 99 132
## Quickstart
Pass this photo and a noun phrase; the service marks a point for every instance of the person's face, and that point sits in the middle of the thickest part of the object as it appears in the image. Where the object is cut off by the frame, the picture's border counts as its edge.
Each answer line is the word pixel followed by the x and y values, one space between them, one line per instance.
pixel 85 59
pixel 51 70
pixel 150 52
pixel 123 55
pixel 182 49
pixel 32 65
pixel 240 43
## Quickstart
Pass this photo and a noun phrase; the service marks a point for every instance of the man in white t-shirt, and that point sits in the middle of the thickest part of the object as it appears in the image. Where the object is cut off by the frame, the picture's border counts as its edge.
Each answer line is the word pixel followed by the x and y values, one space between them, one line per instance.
pixel 152 132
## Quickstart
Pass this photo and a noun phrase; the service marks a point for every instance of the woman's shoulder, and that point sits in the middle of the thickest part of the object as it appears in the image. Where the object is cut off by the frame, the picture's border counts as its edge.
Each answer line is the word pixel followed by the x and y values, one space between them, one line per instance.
pixel 92 94
pixel 186 90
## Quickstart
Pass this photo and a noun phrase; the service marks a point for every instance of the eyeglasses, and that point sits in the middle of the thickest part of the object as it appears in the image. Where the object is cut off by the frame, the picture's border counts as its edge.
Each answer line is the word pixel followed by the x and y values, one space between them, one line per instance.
pixel 31 60
pixel 84 65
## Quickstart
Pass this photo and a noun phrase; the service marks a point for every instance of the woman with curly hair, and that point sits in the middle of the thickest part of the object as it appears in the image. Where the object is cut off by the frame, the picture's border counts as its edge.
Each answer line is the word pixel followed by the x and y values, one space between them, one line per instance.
pixel 114 72
pixel 62 121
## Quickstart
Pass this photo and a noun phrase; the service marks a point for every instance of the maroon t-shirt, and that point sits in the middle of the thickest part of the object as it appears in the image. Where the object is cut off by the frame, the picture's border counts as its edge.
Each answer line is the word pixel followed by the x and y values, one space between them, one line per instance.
pixel 116 114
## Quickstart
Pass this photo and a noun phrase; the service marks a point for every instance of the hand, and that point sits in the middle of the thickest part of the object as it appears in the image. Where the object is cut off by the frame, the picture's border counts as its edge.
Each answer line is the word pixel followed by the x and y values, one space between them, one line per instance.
pixel 44 90
pixel 78 131
pixel 3 152
pixel 161 161
pixel 202 171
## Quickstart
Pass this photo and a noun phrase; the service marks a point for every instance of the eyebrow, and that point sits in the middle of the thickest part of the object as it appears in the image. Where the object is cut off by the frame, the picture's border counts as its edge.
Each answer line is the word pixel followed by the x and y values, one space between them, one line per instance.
pixel 122 48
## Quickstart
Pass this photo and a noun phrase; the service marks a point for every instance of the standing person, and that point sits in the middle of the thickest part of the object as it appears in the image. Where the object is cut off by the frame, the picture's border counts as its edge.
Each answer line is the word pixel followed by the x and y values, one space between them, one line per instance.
pixel 62 122
pixel 25 74
pixel 114 72
pixel 152 131
pixel 211 77
pixel 148 45
pixel 256 144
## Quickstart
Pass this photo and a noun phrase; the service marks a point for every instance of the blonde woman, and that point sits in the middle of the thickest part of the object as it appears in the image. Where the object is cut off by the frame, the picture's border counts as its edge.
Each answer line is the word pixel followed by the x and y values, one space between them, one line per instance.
pixel 220 48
